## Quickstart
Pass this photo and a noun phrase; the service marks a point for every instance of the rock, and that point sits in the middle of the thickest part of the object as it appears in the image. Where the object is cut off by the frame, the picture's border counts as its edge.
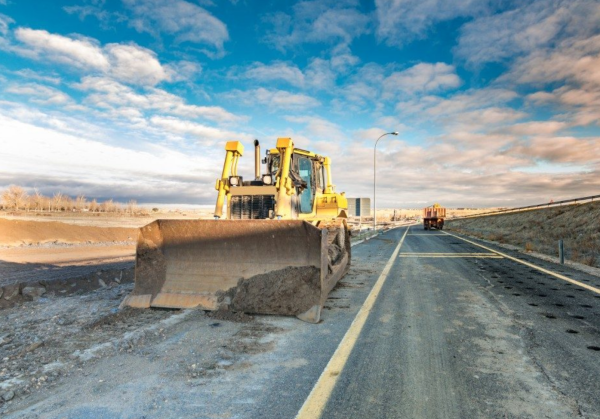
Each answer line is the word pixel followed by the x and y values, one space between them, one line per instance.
pixel 33 292
pixel 32 347
pixel 1 292
pixel 8 396
pixel 5 339
pixel 64 321
pixel 11 291
pixel 101 283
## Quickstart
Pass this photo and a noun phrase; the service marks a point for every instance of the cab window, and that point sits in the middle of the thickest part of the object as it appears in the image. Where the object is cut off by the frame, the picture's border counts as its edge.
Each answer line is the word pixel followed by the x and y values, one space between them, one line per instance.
pixel 305 172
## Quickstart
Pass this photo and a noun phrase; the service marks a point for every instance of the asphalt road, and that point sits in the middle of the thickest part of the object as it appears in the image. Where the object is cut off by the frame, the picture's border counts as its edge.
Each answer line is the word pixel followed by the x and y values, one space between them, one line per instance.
pixel 458 332
pixel 454 331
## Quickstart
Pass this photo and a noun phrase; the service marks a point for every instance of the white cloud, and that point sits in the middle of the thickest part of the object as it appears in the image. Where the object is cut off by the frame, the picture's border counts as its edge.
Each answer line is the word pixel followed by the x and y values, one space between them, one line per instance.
pixel 403 21
pixel 469 100
pixel 188 22
pixel 34 116
pixel 273 99
pixel 527 29
pixel 576 61
pixel 183 70
pixel 134 64
pixel 40 94
pixel 27 73
pixel 574 66
pixel 55 161
pixel 106 18
pixel 81 53
pixel 537 128
pixel 277 70
pixel 108 93
pixel 320 74
pixel 364 85
pixel 342 59
pixel 320 129
pixel 5 22
pixel 421 78
pixel 391 123
pixel 485 118
pixel 332 22
pixel 571 150
pixel 205 134
pixel 129 63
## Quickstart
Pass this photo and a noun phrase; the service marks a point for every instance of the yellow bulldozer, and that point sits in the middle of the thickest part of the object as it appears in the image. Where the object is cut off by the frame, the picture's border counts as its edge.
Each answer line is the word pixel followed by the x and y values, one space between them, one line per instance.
pixel 280 247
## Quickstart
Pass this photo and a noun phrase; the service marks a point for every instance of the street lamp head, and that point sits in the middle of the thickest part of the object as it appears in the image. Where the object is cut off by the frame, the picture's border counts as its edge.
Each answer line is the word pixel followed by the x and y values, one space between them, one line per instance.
pixel 394 133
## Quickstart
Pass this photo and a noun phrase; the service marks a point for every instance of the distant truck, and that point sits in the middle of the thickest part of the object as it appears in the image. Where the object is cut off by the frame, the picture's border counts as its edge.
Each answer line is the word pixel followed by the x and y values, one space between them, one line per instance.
pixel 433 216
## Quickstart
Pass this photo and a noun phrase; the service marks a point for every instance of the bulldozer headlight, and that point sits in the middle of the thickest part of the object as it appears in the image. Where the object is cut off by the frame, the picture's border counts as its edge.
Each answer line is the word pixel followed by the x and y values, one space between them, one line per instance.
pixel 267 179
pixel 234 181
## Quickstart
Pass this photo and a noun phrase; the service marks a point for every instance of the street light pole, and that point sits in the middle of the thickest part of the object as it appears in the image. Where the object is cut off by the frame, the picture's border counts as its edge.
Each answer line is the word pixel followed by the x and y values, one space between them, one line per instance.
pixel 375 178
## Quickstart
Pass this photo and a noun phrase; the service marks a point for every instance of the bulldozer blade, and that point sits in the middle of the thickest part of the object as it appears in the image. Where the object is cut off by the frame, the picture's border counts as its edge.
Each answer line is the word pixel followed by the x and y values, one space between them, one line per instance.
pixel 283 267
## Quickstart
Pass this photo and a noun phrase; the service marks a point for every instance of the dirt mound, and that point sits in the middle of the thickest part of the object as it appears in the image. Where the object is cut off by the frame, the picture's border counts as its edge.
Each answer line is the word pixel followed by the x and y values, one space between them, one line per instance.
pixel 17 233
pixel 540 230
pixel 289 291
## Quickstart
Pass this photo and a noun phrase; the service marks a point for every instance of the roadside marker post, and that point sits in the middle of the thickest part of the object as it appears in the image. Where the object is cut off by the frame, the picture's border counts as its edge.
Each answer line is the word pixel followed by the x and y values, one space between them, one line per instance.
pixel 561 252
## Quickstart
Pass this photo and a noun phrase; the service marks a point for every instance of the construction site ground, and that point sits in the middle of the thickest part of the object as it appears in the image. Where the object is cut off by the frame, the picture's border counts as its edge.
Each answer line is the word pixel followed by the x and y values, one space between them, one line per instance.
pixel 71 352
pixel 454 332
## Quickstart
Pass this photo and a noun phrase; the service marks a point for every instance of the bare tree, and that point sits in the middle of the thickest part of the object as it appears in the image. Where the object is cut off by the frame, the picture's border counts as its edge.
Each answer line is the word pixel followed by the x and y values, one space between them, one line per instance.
pixel 68 204
pixel 37 201
pixel 107 206
pixel 14 197
pixel 132 206
pixel 57 201
pixel 80 203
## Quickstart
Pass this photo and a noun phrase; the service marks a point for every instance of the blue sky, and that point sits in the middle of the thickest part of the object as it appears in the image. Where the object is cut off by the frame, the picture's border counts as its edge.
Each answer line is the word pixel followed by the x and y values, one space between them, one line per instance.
pixel 497 102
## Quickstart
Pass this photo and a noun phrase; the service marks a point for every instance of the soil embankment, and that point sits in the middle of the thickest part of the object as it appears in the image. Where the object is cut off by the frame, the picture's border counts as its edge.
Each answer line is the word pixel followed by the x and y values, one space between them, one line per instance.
pixel 540 230
pixel 18 232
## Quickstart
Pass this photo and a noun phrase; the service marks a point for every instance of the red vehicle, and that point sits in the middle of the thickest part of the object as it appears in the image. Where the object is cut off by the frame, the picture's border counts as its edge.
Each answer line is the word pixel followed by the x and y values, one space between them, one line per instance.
pixel 433 217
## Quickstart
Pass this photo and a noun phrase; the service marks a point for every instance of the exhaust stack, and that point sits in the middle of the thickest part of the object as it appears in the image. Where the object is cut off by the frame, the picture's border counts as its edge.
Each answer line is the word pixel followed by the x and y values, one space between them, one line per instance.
pixel 256 160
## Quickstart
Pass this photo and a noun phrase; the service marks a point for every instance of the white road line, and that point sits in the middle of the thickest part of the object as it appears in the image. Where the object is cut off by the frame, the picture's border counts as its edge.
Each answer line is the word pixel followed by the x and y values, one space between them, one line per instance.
pixel 531 265
pixel 317 399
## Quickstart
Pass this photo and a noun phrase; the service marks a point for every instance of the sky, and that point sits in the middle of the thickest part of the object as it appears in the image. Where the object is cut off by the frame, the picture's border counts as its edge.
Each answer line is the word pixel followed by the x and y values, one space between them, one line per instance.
pixel 497 103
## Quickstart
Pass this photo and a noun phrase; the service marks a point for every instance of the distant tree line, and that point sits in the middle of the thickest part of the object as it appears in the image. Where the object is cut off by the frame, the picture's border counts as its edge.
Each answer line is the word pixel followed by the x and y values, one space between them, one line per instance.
pixel 16 198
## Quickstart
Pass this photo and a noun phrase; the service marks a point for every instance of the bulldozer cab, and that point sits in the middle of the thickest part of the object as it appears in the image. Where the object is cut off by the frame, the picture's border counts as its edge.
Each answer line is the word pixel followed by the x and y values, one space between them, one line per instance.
pixel 308 176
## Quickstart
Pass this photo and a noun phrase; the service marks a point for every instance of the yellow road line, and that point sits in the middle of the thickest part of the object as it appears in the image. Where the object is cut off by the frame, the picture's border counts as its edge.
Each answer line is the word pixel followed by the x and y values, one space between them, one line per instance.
pixel 452 256
pixel 317 399
pixel 448 254
pixel 531 265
